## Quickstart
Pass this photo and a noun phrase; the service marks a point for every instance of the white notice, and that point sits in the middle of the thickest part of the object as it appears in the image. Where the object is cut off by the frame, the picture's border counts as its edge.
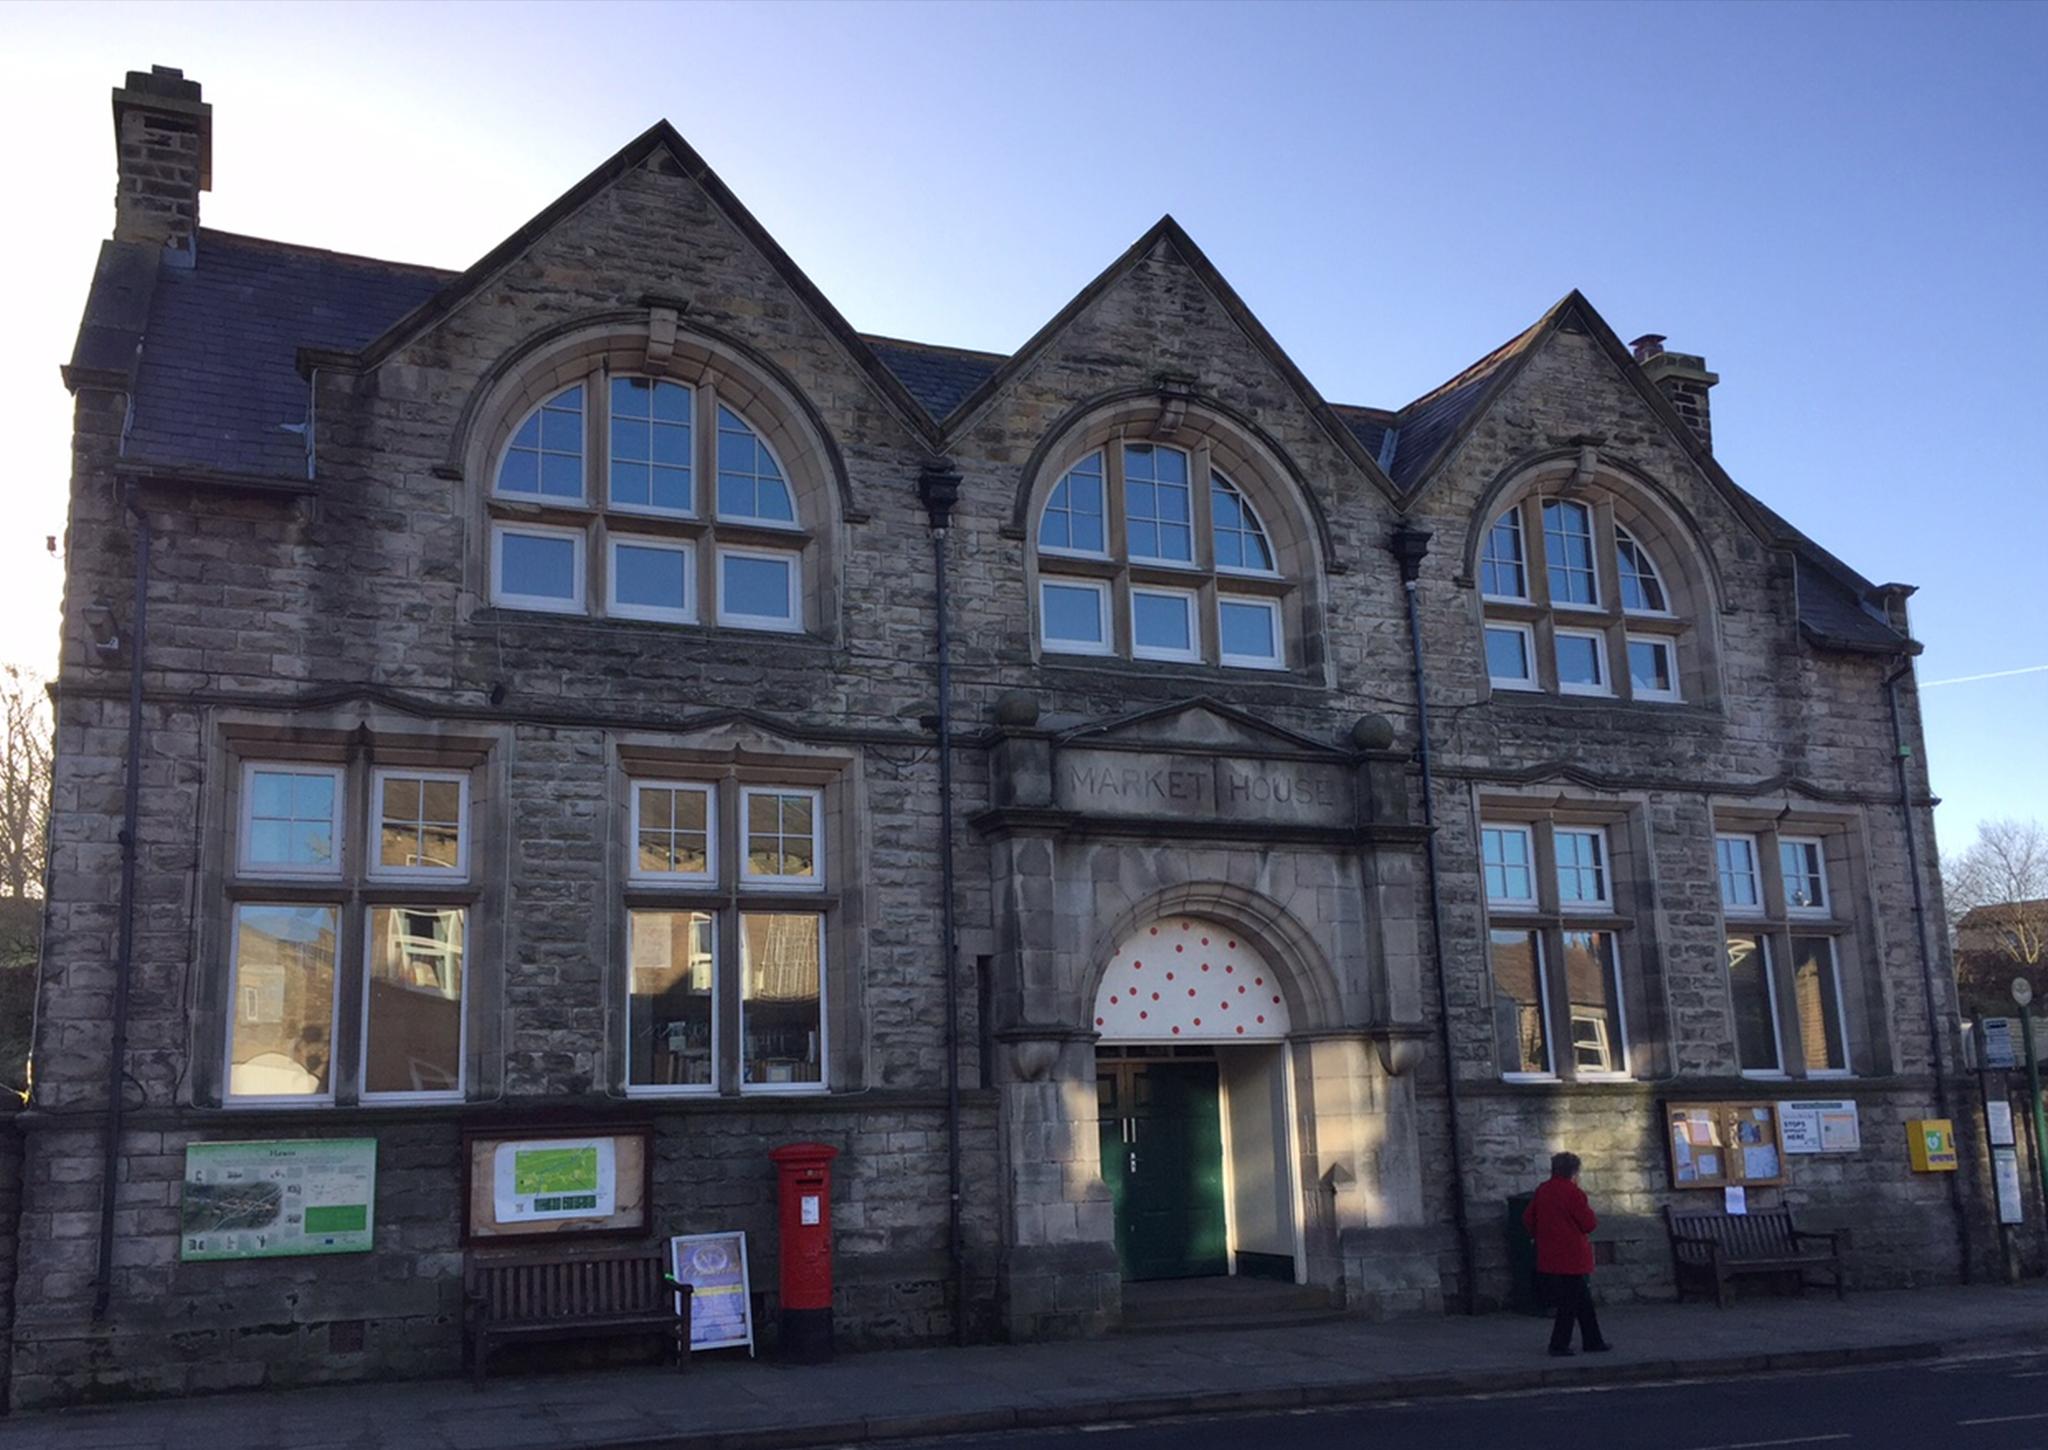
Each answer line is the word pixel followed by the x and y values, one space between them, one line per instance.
pixel 1735 1198
pixel 1826 1125
pixel 807 1209
pixel 2005 1170
pixel 1998 1118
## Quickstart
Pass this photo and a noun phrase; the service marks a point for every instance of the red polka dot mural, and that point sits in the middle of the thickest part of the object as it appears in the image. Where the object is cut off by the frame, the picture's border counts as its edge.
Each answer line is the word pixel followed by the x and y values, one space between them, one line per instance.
pixel 1120 1019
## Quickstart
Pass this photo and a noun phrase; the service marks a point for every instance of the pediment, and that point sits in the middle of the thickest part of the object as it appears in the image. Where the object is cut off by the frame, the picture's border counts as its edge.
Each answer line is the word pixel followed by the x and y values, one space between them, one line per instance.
pixel 1200 724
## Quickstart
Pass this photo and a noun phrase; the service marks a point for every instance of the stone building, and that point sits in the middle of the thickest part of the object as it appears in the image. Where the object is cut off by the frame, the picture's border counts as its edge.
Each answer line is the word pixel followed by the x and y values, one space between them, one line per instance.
pixel 540 686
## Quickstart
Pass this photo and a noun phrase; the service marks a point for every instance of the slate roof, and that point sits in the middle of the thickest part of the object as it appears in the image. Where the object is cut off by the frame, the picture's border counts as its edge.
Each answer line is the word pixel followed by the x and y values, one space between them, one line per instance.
pixel 940 378
pixel 217 384
pixel 218 380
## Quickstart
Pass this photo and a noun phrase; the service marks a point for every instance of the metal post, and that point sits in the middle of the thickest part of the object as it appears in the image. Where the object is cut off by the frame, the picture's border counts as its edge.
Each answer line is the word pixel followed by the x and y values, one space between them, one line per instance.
pixel 2034 1103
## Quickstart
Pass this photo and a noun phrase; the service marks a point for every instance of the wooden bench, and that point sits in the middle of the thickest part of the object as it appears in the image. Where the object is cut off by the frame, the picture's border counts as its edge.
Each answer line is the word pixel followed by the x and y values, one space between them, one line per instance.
pixel 570 1294
pixel 1710 1248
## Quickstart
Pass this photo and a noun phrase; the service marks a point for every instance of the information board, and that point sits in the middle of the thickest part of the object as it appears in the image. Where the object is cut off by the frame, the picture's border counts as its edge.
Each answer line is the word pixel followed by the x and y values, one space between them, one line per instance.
pixel 1713 1145
pixel 721 1299
pixel 548 1178
pixel 278 1199
pixel 1825 1125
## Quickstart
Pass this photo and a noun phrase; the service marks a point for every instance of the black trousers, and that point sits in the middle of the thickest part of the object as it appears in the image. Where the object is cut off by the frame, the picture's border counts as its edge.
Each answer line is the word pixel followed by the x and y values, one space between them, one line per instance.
pixel 1572 1296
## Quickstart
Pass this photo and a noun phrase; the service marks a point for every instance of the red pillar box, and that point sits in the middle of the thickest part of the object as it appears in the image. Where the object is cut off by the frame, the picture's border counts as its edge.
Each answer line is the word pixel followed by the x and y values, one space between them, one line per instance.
pixel 804 1173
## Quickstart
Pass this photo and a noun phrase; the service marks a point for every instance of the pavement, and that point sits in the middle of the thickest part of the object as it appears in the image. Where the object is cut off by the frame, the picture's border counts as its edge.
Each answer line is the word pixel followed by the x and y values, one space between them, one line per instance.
pixel 725 1402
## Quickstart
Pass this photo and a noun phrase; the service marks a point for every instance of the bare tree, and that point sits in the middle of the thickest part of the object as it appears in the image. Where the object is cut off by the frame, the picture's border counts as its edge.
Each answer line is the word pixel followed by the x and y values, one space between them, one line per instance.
pixel 1997 893
pixel 25 747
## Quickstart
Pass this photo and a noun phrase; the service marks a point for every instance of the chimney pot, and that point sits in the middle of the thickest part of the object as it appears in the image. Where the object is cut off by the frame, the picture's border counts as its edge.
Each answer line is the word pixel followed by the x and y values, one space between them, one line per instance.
pixel 1647 346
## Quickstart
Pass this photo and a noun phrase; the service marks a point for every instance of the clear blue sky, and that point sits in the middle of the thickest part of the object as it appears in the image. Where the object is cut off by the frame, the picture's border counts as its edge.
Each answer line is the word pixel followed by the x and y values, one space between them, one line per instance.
pixel 1841 206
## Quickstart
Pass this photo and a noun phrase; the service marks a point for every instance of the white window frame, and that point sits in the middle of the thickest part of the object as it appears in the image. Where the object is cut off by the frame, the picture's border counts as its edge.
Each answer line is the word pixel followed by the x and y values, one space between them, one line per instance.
pixel 374 844
pixel 1604 904
pixel 1623 531
pixel 459 1092
pixel 1067 551
pixel 1193 560
pixel 1543 1012
pixel 578 540
pixel 657 613
pixel 677 1089
pixel 635 872
pixel 1244 502
pixel 795 522
pixel 1105 646
pixel 552 500
pixel 787 1089
pixel 794 623
pixel 1822 909
pixel 1513 514
pixel 1670 648
pixel 1605 686
pixel 1186 599
pixel 245 866
pixel 1739 910
pixel 1513 682
pixel 229 1098
pixel 1763 940
pixel 1275 661
pixel 1612 969
pixel 654 510
pixel 1848 1069
pixel 1595 605
pixel 1528 835
pixel 747 876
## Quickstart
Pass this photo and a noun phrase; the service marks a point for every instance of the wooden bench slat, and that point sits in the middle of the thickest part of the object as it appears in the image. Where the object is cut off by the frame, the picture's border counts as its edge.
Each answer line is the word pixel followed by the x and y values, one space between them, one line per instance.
pixel 572 1293
pixel 1709 1248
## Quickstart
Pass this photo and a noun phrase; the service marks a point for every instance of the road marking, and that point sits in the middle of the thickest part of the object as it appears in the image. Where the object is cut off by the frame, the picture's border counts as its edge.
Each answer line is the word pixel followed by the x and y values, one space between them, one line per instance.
pixel 1765 1444
pixel 2032 1374
pixel 2004 1419
pixel 1105 1425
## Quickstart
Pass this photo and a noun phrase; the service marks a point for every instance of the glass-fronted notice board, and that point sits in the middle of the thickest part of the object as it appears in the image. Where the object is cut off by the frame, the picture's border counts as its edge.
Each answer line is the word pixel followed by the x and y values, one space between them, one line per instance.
pixel 271 1200
pixel 1714 1145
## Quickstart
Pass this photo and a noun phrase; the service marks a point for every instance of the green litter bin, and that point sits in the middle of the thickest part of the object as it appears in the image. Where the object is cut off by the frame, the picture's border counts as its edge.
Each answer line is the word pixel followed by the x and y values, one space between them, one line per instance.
pixel 1522 1296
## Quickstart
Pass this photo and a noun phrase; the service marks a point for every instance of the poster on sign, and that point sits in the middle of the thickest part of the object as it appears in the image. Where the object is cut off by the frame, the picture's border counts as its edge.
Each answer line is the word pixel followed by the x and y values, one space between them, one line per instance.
pixel 1827 1125
pixel 721 1299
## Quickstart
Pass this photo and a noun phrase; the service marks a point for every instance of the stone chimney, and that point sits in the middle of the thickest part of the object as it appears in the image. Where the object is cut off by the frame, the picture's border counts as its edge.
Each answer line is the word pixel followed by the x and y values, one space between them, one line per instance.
pixel 1682 378
pixel 163 144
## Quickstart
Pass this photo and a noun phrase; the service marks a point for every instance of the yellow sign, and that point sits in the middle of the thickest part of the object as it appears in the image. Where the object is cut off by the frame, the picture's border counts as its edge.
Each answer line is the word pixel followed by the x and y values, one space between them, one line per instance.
pixel 1931 1143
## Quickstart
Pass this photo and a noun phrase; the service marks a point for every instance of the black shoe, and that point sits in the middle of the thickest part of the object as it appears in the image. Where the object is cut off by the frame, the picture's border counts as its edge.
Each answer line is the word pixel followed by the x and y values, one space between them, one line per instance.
pixel 1598 1348
pixel 1565 1353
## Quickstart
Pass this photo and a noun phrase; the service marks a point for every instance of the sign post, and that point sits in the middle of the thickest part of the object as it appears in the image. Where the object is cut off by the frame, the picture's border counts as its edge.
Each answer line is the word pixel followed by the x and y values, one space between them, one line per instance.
pixel 2023 993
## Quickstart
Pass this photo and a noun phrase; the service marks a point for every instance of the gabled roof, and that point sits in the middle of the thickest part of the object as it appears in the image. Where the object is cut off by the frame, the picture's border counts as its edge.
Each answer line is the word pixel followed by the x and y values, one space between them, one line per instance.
pixel 660 137
pixel 1169 234
pixel 940 378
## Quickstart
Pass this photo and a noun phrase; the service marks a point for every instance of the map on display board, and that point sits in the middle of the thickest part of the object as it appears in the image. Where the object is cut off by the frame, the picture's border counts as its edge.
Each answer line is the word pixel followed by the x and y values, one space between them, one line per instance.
pixel 277 1199
pixel 554 1178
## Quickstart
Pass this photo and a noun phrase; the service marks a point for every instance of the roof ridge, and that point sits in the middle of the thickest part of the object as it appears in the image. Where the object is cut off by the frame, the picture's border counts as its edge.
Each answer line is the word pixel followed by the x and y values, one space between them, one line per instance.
pixel 945 347
pixel 299 249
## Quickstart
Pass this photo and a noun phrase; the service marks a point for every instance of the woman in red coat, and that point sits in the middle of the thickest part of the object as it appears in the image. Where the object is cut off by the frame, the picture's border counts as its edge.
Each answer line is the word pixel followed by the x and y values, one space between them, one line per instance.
pixel 1559 1218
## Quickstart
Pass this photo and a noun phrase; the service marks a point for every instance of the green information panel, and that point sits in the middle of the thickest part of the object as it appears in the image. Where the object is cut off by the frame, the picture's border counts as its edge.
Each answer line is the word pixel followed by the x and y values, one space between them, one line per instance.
pixel 272 1200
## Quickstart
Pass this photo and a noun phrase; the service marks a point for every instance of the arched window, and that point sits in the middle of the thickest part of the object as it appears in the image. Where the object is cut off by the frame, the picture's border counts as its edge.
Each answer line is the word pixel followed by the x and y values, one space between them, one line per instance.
pixel 1576 602
pixel 646 498
pixel 1152 551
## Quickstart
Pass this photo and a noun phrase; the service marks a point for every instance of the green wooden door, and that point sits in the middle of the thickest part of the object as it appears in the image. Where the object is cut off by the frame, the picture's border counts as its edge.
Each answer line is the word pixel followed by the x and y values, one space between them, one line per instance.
pixel 1162 1157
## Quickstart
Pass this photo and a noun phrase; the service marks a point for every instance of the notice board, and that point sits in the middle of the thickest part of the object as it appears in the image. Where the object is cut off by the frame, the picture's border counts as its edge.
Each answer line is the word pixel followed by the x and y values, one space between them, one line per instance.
pixel 1718 1145
pixel 270 1200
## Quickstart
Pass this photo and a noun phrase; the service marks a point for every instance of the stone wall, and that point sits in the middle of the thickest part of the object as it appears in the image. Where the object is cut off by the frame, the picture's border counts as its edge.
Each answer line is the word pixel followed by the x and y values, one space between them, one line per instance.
pixel 10 1242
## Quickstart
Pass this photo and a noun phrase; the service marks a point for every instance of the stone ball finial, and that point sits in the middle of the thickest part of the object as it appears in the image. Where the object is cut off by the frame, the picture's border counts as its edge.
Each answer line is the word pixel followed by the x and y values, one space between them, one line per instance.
pixel 1017 707
pixel 1373 732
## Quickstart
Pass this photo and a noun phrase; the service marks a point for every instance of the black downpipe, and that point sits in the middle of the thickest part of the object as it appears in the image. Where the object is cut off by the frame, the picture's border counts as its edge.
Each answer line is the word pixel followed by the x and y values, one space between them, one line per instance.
pixel 124 961
pixel 1410 546
pixel 939 489
pixel 1901 753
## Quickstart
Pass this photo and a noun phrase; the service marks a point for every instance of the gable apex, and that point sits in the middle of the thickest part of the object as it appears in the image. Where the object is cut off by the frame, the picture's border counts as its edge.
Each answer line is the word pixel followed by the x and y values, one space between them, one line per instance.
pixel 661 140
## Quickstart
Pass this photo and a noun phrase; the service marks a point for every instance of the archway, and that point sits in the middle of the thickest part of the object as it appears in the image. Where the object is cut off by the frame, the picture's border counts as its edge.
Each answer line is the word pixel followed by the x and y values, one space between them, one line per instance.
pixel 1194 1092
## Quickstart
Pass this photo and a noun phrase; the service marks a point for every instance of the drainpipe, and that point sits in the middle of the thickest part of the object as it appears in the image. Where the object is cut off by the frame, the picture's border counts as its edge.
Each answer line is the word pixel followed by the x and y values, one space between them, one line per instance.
pixel 1410 546
pixel 1901 754
pixel 938 487
pixel 124 960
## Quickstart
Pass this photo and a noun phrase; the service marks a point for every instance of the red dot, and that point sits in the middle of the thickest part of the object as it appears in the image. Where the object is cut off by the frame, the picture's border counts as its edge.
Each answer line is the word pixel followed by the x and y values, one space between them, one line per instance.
pixel 1169 976
pixel 1240 1032
pixel 1143 1015
pixel 1258 981
pixel 1191 991
pixel 1233 946
pixel 1228 968
pixel 1225 1006
pixel 1184 926
pixel 1198 1022
pixel 1262 1019
pixel 1176 1032
pixel 1098 1022
pixel 1112 1001
pixel 1205 941
pixel 1155 931
pixel 1276 1001
pixel 1137 966
pixel 1178 947
pixel 1205 966
pixel 1155 996
pixel 1240 991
